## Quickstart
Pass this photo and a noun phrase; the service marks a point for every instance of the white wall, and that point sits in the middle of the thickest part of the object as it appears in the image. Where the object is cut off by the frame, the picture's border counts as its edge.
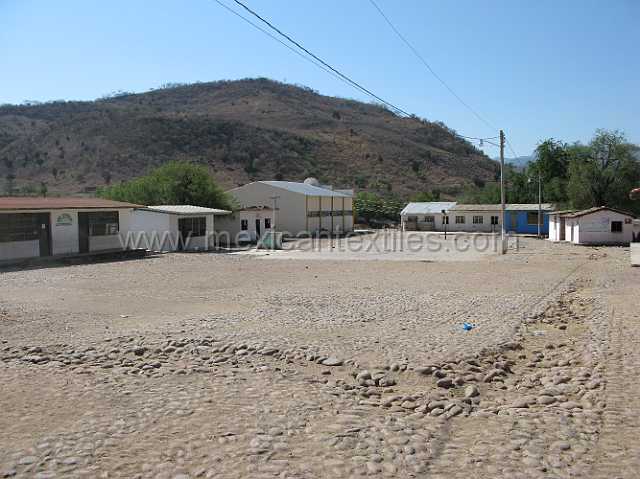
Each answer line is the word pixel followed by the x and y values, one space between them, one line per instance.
pixel 554 228
pixel 64 235
pixel 570 230
pixel 595 228
pixel 152 230
pixel 111 242
pixel 469 226
pixel 228 227
pixel 19 249
pixel 162 233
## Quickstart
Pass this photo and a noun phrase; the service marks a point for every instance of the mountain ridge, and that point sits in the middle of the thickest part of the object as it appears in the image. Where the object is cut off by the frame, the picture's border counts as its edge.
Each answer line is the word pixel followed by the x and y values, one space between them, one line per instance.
pixel 244 130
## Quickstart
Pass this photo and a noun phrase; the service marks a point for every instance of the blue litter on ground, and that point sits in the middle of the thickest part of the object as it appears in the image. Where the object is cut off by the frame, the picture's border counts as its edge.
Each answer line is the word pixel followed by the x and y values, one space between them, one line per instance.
pixel 468 326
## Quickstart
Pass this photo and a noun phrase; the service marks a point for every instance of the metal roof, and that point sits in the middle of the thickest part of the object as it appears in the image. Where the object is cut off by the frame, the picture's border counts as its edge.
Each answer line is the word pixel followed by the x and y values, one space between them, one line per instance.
pixel 54 203
pixel 529 207
pixel 476 208
pixel 257 208
pixel 304 189
pixel 562 212
pixel 595 209
pixel 185 210
pixel 507 207
pixel 429 207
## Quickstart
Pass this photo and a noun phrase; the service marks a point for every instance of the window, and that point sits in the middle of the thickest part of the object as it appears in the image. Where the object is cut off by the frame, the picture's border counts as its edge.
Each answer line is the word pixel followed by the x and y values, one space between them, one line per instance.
pixel 429 219
pixel 104 223
pixel 478 220
pixel 616 226
pixel 445 220
pixel 459 220
pixel 19 227
pixel 194 227
pixel 532 218
pixel 267 223
pixel 494 220
pixel 244 225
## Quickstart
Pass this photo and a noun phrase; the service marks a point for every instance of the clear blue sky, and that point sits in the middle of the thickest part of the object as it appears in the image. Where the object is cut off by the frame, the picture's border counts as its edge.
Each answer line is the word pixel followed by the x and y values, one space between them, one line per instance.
pixel 537 69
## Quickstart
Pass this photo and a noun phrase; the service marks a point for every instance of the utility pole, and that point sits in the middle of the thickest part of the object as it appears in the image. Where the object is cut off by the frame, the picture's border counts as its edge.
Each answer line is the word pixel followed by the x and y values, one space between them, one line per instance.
pixel 503 244
pixel 539 203
pixel 445 222
pixel 275 208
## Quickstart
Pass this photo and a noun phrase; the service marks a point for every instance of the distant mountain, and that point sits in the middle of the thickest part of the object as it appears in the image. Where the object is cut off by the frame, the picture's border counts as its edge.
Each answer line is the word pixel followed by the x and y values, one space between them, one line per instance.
pixel 243 130
pixel 518 161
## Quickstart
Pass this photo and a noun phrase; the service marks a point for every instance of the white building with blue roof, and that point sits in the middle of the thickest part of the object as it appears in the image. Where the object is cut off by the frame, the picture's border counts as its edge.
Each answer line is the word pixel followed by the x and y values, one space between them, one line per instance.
pixel 300 207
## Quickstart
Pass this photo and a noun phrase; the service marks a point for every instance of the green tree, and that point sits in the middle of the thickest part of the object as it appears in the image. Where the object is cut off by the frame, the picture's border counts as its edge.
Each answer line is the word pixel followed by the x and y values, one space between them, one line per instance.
pixel 175 183
pixel 371 207
pixel 426 196
pixel 551 165
pixel 604 173
pixel 489 194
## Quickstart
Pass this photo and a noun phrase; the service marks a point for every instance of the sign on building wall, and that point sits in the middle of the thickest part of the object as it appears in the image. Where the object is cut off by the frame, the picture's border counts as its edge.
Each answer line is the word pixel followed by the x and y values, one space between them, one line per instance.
pixel 64 219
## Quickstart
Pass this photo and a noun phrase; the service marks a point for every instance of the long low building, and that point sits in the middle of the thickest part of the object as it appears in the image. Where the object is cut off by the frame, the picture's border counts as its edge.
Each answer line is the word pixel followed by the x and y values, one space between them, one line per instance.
pixel 40 227
pixel 302 208
pixel 482 218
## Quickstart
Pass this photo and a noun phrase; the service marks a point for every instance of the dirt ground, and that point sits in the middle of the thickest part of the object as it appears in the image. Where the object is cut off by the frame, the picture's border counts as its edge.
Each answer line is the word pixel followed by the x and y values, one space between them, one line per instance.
pixel 302 363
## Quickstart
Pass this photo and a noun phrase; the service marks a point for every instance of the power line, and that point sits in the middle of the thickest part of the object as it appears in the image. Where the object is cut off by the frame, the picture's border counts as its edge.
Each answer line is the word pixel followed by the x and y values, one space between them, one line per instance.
pixel 426 64
pixel 513 152
pixel 258 27
pixel 476 138
pixel 311 58
pixel 338 72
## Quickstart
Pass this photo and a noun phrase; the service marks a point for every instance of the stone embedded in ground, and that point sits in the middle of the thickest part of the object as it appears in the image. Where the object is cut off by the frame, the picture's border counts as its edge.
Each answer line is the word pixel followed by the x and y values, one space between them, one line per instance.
pixel 561 445
pixel 333 361
pixel 471 391
pixel 426 370
pixel 454 411
pixel 444 383
pixel 521 403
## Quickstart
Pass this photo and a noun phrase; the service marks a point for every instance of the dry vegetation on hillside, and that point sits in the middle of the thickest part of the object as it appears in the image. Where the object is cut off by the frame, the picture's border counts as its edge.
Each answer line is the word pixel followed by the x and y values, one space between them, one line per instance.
pixel 244 130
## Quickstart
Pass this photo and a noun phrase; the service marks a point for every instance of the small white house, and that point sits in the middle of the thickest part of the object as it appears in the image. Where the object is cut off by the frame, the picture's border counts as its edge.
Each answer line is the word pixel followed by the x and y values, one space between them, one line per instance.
pixel 41 227
pixel 303 208
pixel 246 225
pixel 599 226
pixel 167 228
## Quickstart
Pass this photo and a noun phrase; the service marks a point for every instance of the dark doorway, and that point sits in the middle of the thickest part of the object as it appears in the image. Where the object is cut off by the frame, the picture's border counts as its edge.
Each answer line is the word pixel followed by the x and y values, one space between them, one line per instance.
pixel 44 225
pixel 184 227
pixel 190 228
pixel 83 232
pixel 258 228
